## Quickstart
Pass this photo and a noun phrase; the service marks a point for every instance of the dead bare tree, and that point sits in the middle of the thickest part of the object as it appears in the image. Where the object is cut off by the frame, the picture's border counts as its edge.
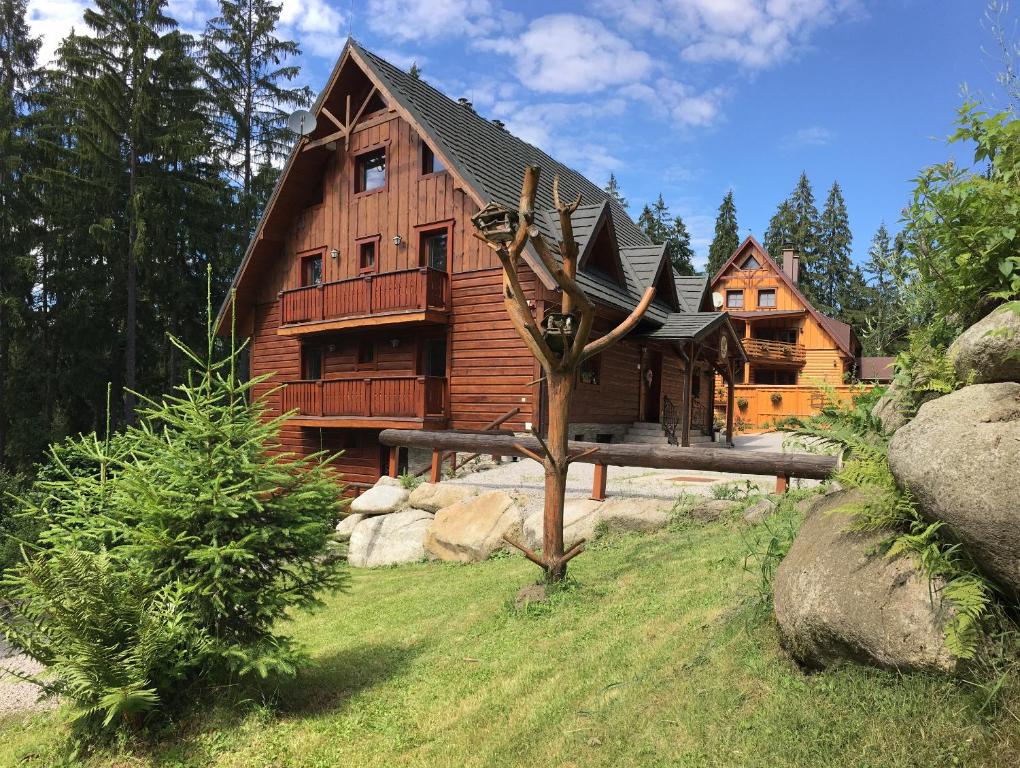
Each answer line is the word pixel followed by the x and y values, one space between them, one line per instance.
pixel 560 347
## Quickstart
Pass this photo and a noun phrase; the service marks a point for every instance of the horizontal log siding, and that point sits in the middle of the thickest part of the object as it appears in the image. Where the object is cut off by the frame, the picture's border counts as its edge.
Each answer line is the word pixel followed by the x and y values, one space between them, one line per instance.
pixel 614 400
pixel 491 367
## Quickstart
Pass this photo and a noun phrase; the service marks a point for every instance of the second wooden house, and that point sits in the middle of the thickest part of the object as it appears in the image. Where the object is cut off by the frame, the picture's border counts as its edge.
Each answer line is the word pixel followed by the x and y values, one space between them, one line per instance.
pixel 367 296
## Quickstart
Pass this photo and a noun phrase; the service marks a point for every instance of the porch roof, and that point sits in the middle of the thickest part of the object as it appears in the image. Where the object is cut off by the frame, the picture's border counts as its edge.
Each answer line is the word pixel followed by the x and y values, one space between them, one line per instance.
pixel 683 326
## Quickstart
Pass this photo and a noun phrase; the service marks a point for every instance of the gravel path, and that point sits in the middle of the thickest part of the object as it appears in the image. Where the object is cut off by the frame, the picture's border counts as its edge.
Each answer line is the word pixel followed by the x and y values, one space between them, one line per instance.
pixel 17 695
pixel 525 477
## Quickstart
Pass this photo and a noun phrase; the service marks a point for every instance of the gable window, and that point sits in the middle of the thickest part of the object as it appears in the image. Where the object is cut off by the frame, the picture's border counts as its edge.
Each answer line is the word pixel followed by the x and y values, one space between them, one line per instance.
pixel 367 255
pixel 434 248
pixel 751 263
pixel 370 170
pixel 433 361
pixel 590 371
pixel 429 162
pixel 767 297
pixel 311 363
pixel 366 353
pixel 311 270
pixel 734 299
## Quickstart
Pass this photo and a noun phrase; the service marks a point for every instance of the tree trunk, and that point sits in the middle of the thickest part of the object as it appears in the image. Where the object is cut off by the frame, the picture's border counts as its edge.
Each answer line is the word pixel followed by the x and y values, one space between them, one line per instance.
pixel 561 386
pixel 131 338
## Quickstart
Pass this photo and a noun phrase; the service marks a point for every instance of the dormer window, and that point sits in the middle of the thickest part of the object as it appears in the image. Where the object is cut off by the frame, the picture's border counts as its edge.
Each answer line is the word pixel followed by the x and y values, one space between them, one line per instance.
pixel 751 263
pixel 429 162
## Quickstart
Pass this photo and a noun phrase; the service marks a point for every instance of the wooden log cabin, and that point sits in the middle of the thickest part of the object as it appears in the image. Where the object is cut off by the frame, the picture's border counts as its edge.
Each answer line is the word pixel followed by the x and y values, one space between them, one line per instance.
pixel 367 296
pixel 794 352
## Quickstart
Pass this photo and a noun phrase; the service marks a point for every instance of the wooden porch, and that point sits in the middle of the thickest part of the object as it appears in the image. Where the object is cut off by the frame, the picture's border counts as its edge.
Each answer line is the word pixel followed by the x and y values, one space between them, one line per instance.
pixel 406 402
pixel 421 294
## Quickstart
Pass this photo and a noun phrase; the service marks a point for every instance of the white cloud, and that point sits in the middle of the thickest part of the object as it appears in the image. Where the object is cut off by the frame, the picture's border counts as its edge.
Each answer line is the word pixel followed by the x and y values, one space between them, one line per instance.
pixel 405 20
pixel 566 53
pixel 753 33
pixel 52 20
pixel 318 27
pixel 814 136
pixel 680 103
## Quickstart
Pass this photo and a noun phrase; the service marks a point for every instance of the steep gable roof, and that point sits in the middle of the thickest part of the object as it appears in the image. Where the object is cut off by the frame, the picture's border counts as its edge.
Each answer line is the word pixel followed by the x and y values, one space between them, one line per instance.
pixel 692 290
pixel 840 332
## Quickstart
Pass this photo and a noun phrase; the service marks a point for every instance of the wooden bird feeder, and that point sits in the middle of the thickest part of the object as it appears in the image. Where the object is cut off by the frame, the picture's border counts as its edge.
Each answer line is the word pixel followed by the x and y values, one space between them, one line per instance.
pixel 559 330
pixel 496 224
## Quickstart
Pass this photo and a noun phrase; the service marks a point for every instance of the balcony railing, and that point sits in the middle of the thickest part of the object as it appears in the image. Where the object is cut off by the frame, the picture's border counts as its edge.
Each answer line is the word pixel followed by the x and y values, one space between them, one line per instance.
pixel 409 290
pixel 415 397
pixel 774 351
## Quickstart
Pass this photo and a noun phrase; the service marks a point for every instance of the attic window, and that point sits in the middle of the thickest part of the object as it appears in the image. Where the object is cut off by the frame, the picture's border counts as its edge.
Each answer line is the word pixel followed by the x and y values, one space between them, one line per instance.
pixel 370 171
pixel 751 263
pixel 603 257
pixel 429 162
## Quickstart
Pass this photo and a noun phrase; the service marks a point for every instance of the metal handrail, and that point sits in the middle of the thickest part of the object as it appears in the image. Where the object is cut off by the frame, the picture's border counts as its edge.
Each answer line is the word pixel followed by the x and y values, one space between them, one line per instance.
pixel 670 420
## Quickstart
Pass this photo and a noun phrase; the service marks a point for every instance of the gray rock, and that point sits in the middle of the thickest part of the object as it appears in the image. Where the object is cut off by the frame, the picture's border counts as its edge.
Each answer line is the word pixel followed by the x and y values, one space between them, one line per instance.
pixel 534 593
pixel 759 510
pixel 580 518
pixel 838 599
pixel 433 497
pixel 960 457
pixel 989 351
pixel 389 539
pixel 710 510
pixel 386 496
pixel 472 529
pixel 346 527
pixel 891 410
pixel 643 515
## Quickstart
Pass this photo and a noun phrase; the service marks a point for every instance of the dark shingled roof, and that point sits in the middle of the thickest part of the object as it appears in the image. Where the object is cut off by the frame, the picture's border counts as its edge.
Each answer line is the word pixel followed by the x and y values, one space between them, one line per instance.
pixel 681 326
pixel 691 289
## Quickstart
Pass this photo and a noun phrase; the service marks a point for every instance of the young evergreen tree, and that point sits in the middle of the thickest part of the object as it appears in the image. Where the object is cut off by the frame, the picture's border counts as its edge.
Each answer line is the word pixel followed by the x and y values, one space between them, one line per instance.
pixel 251 92
pixel 612 189
pixel 19 209
pixel 797 218
pixel 779 234
pixel 883 328
pixel 681 253
pixel 835 283
pixel 415 70
pixel 726 237
pixel 656 223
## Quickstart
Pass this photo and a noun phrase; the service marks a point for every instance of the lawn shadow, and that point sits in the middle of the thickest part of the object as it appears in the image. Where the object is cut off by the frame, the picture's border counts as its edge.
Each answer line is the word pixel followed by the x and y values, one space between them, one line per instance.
pixel 332 678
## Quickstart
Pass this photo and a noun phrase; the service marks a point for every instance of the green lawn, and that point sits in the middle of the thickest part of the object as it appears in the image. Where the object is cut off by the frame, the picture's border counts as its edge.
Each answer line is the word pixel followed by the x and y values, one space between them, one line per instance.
pixel 657 657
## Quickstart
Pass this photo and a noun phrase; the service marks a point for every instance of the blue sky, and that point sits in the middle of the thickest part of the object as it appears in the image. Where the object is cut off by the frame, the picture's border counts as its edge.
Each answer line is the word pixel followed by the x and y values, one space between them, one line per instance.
pixel 683 97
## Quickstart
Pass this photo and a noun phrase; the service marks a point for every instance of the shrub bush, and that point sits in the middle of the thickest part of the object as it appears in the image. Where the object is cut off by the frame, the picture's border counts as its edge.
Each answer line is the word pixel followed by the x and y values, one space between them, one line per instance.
pixel 173 551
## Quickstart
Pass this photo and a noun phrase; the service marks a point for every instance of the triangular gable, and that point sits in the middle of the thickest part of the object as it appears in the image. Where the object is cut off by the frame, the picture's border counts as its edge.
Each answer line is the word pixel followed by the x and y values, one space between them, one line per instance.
pixel 599 250
pixel 840 333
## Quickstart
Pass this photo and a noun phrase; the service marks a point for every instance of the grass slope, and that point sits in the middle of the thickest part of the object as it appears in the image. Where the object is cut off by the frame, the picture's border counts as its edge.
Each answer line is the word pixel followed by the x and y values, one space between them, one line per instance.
pixel 656 657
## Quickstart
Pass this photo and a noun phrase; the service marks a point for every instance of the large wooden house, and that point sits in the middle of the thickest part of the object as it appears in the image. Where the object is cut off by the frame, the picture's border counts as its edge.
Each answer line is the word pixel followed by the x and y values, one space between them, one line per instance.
pixel 794 352
pixel 366 294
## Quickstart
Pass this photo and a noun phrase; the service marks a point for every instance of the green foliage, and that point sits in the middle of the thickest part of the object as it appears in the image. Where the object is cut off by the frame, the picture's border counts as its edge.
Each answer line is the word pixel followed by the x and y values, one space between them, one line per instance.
pixel 655 222
pixel 16 530
pixel 923 372
pixel 735 490
pixel 961 226
pixel 885 325
pixel 726 238
pixel 836 277
pixel 409 481
pixel 768 543
pixel 612 189
pixel 173 551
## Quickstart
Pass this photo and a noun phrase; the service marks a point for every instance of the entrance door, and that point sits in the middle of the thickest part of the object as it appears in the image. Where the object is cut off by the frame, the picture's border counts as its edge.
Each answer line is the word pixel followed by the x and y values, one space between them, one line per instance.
pixel 651 382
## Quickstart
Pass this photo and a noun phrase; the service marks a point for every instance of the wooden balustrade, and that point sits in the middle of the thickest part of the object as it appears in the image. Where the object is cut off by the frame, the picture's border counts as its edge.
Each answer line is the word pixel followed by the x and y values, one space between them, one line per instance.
pixel 774 351
pixel 408 290
pixel 368 397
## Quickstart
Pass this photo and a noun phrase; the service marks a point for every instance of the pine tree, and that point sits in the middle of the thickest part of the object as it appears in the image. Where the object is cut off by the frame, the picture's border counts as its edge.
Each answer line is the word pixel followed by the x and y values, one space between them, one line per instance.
pixel 415 70
pixel 779 234
pixel 656 223
pixel 833 269
pixel 883 327
pixel 612 189
pixel 251 98
pixel 726 238
pixel 18 204
pixel 682 254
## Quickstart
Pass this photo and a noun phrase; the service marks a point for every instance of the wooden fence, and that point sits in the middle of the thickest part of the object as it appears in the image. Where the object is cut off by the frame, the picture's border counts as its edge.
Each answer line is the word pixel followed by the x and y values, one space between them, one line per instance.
pixel 760 406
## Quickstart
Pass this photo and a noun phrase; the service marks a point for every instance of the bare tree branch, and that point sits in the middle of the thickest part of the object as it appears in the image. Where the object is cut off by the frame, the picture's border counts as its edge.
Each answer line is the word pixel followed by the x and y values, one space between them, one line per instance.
pixel 622 329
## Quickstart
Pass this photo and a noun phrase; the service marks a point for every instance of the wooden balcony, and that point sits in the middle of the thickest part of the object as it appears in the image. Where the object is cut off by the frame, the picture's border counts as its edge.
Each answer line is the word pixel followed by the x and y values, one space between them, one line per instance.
pixel 774 352
pixel 414 295
pixel 402 402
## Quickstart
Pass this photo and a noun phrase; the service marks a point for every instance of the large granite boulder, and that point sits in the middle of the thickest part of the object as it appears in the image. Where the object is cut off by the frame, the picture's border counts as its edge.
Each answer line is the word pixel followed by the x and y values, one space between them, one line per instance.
pixel 386 496
pixel 346 527
pixel 838 599
pixel 432 497
pixel 389 539
pixel 580 518
pixel 471 530
pixel 960 458
pixel 759 510
pixel 891 410
pixel 644 515
pixel 710 510
pixel 989 351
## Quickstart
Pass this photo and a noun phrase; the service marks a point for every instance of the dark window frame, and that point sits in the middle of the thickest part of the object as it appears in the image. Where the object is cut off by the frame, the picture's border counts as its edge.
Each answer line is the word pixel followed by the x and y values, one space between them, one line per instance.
pixel 306 260
pixel 734 292
pixel 357 179
pixel 376 242
pixel 749 259
pixel 363 362
pixel 593 365
pixel 425 357
pixel 428 161
pixel 309 353
pixel 426 230
pixel 767 292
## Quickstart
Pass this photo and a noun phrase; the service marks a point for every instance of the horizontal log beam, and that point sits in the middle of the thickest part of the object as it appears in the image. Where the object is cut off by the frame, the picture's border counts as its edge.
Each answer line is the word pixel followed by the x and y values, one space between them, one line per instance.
pixel 624 454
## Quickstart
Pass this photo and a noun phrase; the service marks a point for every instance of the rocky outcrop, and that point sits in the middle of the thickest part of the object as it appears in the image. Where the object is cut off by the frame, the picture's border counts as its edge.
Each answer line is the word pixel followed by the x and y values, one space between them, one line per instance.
pixel 644 515
pixel 346 527
pixel 891 410
pixel 472 529
pixel 432 497
pixel 386 496
pixel 837 599
pixel 389 539
pixel 960 458
pixel 989 351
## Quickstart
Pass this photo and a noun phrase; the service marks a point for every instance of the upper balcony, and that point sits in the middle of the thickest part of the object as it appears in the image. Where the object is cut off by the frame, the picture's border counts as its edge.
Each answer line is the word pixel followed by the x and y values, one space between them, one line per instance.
pixel 401 402
pixel 774 352
pixel 421 294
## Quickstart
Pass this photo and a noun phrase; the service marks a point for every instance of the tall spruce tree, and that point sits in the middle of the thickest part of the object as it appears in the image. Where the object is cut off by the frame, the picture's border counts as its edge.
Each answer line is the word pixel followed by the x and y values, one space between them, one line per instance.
pixel 612 189
pixel 251 91
pixel 18 204
pixel 883 327
pixel 836 285
pixel 779 234
pixel 656 223
pixel 726 238
pixel 795 224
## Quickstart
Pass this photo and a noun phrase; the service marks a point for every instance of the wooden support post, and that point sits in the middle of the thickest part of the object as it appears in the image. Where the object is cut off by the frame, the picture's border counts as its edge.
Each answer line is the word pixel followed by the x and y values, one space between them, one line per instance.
pixel 710 417
pixel 685 417
pixel 782 483
pixel 437 466
pixel 730 404
pixel 394 460
pixel 598 486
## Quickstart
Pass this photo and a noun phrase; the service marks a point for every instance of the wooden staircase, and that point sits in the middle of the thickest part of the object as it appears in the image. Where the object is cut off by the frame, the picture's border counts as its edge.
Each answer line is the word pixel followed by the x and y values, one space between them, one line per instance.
pixel 652 433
